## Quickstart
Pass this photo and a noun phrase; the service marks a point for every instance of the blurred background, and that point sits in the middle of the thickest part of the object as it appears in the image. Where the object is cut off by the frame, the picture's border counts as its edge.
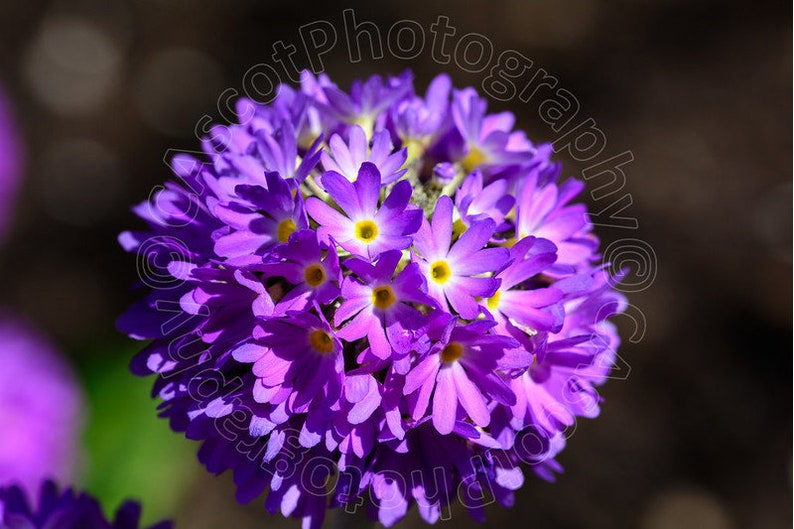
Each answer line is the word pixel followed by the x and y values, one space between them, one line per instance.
pixel 698 435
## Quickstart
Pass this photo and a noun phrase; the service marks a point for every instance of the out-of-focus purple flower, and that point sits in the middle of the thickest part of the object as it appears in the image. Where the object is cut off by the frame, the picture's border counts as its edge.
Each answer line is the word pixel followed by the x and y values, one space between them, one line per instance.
pixel 64 509
pixel 418 121
pixel 444 173
pixel 368 102
pixel 10 164
pixel 417 318
pixel 40 409
pixel 278 151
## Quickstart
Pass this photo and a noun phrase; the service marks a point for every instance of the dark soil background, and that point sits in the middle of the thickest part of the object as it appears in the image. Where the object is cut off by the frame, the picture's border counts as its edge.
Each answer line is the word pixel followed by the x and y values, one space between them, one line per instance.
pixel 698 435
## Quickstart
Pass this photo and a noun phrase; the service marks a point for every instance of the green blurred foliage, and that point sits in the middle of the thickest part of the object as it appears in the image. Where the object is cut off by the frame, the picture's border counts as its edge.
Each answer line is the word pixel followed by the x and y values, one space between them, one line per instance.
pixel 130 452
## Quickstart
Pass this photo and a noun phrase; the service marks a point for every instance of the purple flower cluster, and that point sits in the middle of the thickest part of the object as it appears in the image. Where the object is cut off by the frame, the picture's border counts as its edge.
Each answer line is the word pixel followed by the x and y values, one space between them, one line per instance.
pixel 372 298
pixel 64 510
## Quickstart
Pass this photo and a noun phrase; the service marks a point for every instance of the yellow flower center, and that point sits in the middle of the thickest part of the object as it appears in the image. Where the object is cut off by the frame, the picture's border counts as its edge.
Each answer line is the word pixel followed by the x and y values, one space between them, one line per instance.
pixel 383 297
pixel 366 231
pixel 307 139
pixel 314 275
pixel 509 243
pixel 451 352
pixel 459 228
pixel 440 272
pixel 285 228
pixel 415 149
pixel 473 160
pixel 493 301
pixel 321 341
pixel 367 123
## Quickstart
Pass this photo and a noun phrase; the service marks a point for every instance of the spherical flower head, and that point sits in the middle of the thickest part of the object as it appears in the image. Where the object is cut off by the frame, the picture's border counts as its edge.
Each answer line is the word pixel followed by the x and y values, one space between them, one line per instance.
pixel 391 290
pixel 65 509
pixel 40 409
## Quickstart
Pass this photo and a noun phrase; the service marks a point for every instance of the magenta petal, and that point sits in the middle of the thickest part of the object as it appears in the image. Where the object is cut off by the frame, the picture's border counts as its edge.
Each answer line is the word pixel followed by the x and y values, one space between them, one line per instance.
pixel 570 252
pixel 423 242
pixel 396 202
pixel 357 387
pixel 475 238
pixel 524 313
pixel 349 308
pixel 540 297
pixel 367 189
pixel 363 409
pixel 342 191
pixel 470 397
pixel 496 388
pixel 324 214
pixel 442 224
pixel 484 287
pixel 487 260
pixel 249 352
pixel 377 339
pixel 561 227
pixel 358 327
pixel 238 243
pixel 341 153
pixel 535 206
pixel 445 402
pixel 462 302
pixel 419 374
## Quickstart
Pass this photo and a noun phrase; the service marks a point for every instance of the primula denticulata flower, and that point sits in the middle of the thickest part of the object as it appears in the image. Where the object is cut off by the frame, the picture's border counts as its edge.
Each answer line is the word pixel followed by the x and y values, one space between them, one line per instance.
pixel 393 292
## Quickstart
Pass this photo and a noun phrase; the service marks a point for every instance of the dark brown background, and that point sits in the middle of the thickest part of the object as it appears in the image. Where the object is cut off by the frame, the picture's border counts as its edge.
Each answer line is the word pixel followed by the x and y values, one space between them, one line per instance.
pixel 699 434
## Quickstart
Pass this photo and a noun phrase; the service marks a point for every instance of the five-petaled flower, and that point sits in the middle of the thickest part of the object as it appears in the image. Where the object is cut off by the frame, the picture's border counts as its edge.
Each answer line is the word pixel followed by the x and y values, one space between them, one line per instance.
pixel 365 227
